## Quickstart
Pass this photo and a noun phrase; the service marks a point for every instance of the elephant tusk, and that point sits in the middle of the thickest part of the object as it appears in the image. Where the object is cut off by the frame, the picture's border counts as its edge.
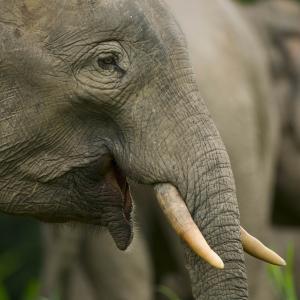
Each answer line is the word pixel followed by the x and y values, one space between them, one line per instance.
pixel 257 249
pixel 180 219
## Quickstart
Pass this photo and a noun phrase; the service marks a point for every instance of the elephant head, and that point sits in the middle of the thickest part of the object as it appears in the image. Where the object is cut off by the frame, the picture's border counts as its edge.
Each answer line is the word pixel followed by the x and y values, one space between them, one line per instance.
pixel 95 91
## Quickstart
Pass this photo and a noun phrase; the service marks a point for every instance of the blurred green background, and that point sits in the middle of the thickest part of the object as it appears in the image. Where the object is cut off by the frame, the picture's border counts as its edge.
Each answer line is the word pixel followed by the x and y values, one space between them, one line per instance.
pixel 20 258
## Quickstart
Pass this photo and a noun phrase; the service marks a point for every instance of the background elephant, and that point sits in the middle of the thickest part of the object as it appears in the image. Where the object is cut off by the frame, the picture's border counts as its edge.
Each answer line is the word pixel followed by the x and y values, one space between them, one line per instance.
pixel 278 25
pixel 93 92
pixel 236 83
pixel 81 266
pixel 283 42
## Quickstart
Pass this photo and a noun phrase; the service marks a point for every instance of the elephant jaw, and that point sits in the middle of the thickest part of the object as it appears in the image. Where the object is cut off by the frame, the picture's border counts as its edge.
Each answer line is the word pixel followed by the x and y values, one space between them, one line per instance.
pixel 180 219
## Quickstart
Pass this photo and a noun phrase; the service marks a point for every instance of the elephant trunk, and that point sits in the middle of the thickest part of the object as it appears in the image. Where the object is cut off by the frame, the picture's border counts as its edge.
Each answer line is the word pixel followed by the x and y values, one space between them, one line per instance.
pixel 189 155
pixel 209 194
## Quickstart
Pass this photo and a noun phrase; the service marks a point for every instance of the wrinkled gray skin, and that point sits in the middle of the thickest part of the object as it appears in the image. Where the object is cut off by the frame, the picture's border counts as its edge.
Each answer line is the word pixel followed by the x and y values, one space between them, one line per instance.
pixel 85 82
pixel 235 83
pixel 252 125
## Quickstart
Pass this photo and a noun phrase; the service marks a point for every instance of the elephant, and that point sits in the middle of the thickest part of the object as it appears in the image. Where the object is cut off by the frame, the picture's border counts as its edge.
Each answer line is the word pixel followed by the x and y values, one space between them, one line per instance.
pixel 283 42
pixel 257 173
pixel 277 23
pixel 110 95
pixel 250 96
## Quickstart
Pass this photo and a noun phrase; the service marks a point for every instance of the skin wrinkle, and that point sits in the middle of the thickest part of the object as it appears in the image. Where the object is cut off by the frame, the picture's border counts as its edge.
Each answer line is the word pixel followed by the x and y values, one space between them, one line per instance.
pixel 213 279
pixel 73 203
pixel 207 217
pixel 204 178
pixel 200 226
pixel 133 120
pixel 87 53
pixel 118 95
pixel 205 209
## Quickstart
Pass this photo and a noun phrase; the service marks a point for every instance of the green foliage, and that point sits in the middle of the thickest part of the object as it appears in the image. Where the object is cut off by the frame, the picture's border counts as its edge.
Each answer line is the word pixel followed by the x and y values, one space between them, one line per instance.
pixel 165 291
pixel 10 263
pixel 32 290
pixel 283 278
pixel 3 293
pixel 20 256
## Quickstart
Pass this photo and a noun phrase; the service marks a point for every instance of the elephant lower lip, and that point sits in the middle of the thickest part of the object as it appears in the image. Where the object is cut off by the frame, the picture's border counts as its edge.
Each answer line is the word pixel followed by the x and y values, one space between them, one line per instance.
pixel 127 203
pixel 117 179
pixel 121 230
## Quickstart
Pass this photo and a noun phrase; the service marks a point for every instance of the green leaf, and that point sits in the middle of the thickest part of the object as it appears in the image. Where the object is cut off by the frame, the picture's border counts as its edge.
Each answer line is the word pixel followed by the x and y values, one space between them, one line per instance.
pixel 3 293
pixel 283 278
pixel 167 292
pixel 276 276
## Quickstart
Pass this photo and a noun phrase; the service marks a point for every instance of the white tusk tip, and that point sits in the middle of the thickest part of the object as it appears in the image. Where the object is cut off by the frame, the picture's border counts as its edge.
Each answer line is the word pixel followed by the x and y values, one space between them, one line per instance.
pixel 281 262
pixel 255 248
pixel 217 262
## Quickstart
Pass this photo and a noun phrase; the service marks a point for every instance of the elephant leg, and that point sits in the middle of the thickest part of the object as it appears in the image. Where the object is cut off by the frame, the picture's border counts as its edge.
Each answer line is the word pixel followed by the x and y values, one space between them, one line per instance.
pixel 117 275
pixel 76 265
pixel 79 286
pixel 61 248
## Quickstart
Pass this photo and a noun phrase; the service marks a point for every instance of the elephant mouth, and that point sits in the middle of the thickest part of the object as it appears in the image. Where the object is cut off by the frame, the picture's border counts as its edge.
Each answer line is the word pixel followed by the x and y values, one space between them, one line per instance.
pixel 116 179
pixel 102 198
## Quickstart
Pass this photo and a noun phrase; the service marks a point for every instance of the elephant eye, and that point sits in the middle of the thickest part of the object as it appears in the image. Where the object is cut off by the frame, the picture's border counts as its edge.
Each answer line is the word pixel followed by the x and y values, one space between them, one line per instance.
pixel 109 62
pixel 106 64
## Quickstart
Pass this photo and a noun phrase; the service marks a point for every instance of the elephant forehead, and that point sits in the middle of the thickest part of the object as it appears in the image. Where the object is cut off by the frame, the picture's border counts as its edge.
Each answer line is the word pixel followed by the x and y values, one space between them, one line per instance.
pixel 49 17
pixel 68 28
